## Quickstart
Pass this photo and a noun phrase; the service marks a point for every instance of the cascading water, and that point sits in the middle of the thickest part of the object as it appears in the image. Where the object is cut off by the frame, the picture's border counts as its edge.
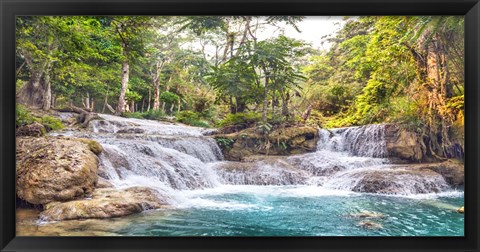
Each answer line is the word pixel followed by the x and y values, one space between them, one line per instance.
pixel 177 157
pixel 296 195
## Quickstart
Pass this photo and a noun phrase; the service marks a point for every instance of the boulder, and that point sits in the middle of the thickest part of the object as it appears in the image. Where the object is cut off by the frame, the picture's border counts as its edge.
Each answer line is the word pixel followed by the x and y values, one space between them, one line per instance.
pixel 398 181
pixel 453 171
pixel 281 141
pixel 35 129
pixel 104 203
pixel 103 183
pixel 403 145
pixel 54 169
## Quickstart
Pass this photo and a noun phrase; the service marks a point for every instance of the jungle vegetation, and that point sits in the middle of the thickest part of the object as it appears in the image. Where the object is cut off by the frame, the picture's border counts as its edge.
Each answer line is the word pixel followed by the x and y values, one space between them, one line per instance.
pixel 406 70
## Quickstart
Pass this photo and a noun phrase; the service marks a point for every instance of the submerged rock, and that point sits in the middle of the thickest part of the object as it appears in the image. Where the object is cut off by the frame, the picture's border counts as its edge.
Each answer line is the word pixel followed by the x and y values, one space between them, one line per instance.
pixel 367 214
pixel 54 169
pixel 370 225
pixel 104 203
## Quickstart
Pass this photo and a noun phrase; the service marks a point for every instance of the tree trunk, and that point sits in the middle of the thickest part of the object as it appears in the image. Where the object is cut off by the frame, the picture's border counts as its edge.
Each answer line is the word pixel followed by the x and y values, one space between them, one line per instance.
pixel 47 94
pixel 32 93
pixel 121 99
pixel 132 106
pixel 156 95
pixel 265 99
pixel 87 101
pixel 149 99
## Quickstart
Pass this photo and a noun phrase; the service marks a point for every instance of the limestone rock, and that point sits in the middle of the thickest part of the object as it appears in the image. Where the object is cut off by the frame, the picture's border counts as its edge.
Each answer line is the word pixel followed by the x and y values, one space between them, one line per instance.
pixel 281 141
pixel 104 203
pixel 453 171
pixel 403 144
pixel 461 210
pixel 54 169
pixel 391 181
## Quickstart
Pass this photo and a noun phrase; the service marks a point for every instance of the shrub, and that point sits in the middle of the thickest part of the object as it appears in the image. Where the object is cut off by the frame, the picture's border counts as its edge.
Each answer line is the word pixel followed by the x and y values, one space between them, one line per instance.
pixel 154 115
pixel 51 123
pixel 186 116
pixel 240 118
pixel 200 123
pixel 169 97
pixel 137 115
pixel 24 116
pixel 224 143
pixel 191 118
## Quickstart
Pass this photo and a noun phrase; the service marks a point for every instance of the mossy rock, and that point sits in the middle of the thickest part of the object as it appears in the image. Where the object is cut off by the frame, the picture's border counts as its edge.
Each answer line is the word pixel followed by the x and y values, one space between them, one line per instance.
pixel 281 141
pixel 93 145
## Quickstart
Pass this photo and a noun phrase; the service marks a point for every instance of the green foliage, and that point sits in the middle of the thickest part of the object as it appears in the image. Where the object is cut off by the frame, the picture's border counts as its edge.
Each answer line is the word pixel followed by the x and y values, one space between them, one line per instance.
pixel 247 118
pixel 24 116
pixel 51 123
pixel 154 115
pixel 169 97
pixel 150 115
pixel 224 143
pixel 191 118
pixel 137 115
pixel 264 128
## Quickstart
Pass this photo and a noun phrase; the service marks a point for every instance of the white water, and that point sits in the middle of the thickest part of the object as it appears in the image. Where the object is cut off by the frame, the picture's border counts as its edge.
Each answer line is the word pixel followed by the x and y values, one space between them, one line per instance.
pixel 183 163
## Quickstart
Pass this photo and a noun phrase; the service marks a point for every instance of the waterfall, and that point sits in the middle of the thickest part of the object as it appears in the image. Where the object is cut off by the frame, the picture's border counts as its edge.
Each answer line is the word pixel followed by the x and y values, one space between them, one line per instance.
pixel 260 173
pixel 365 141
pixel 175 158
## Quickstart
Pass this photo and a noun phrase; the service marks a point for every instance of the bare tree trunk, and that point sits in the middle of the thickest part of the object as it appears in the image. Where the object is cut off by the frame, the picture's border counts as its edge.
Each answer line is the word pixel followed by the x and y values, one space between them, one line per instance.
pixel 156 96
pixel 149 99
pixel 87 101
pixel 47 95
pixel 156 83
pixel 32 93
pixel 132 106
pixel 123 90
pixel 92 105
pixel 143 103
pixel 265 98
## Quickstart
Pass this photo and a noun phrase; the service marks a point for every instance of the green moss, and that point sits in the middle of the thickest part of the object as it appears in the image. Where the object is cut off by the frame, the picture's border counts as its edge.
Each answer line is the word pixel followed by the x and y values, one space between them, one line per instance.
pixel 51 123
pixel 24 117
pixel 93 145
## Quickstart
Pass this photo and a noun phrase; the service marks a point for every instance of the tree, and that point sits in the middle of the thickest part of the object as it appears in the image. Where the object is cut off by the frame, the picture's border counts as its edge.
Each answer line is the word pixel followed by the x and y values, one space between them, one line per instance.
pixel 129 31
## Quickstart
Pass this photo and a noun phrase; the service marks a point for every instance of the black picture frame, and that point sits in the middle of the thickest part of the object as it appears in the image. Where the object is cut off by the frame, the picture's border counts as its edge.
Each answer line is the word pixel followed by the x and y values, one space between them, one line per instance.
pixel 10 8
